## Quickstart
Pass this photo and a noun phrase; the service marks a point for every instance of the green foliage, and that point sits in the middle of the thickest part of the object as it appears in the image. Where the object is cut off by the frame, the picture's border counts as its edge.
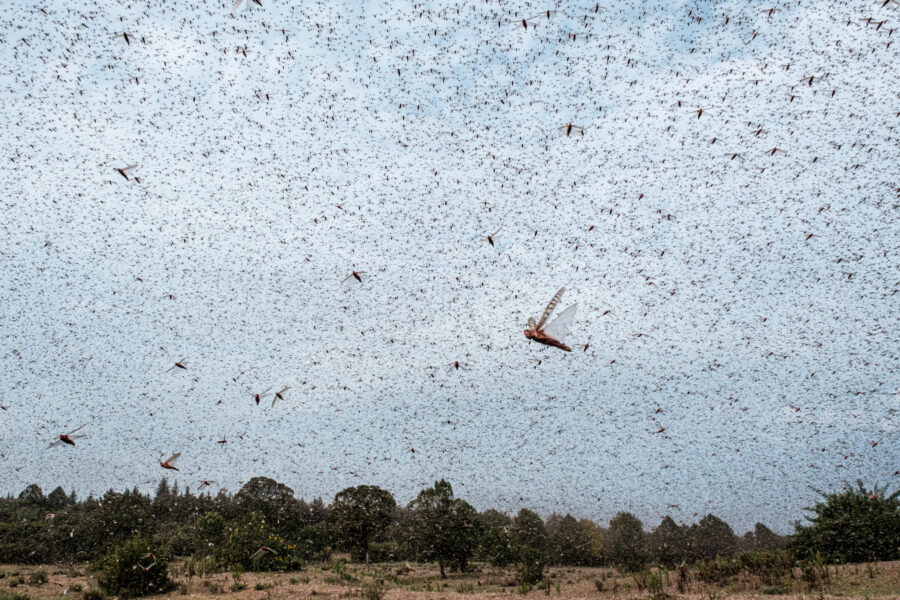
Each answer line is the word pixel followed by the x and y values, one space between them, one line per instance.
pixel 93 594
pixel 244 540
pixel 495 543
pixel 668 544
pixel 712 537
pixel 359 516
pixel 443 528
pixel 530 568
pixel 625 543
pixel 568 542
pixel 650 581
pixel 274 501
pixel 38 577
pixel 853 525
pixel 132 570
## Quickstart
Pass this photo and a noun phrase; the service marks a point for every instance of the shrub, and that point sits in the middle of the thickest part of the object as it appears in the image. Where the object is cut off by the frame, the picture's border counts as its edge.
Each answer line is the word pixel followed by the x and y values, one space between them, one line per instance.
pixel 38 577
pixel 374 590
pixel 132 570
pixel 854 525
pixel 530 569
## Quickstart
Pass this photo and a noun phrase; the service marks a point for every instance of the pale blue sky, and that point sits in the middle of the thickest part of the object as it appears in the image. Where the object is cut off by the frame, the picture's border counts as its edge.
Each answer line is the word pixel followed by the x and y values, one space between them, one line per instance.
pixel 773 356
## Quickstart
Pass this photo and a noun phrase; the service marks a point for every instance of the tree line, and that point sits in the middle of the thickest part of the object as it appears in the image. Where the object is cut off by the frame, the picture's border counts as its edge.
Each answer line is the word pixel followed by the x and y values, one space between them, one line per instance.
pixel 366 521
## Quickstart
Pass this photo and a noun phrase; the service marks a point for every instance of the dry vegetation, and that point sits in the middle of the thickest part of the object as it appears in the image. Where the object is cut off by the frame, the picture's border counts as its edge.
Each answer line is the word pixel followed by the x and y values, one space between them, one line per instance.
pixel 337 581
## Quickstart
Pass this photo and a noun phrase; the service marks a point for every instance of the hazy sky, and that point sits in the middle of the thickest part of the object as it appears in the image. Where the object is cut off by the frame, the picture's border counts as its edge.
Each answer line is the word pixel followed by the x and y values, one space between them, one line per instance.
pixel 728 228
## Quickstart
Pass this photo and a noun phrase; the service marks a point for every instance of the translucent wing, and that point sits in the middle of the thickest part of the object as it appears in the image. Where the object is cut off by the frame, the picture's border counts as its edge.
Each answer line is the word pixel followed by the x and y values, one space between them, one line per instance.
pixel 550 306
pixel 236 4
pixel 560 326
pixel 77 429
pixel 174 457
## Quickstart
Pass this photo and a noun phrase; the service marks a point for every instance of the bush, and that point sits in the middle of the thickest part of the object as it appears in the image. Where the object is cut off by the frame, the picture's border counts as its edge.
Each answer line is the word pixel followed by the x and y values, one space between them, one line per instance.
pixel 132 570
pixel 242 544
pixel 854 525
pixel 530 569
pixel 38 577
pixel 93 594
pixel 374 590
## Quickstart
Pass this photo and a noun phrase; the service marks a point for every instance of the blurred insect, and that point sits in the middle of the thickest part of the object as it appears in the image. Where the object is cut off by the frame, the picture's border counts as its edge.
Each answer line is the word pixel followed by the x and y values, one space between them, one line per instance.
pixel 124 171
pixel 569 128
pixel 491 237
pixel 206 482
pixel 357 275
pixel 126 36
pixel 147 562
pixel 525 22
pixel 278 395
pixel 263 550
pixel 260 395
pixel 179 364
pixel 67 438
pixel 168 462
pixel 551 334
pixel 238 3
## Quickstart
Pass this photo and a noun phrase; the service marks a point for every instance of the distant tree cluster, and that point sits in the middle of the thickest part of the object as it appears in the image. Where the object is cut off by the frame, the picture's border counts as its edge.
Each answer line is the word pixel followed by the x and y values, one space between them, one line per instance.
pixel 264 526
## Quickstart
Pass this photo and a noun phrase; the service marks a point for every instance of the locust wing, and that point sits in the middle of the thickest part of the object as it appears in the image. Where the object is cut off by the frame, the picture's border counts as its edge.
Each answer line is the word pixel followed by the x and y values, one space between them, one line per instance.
pixel 550 306
pixel 560 326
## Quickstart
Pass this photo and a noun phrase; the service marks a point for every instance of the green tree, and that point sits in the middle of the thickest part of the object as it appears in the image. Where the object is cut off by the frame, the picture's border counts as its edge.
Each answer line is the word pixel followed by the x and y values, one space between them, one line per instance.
pixel 443 528
pixel 853 525
pixel 358 516
pixel 625 543
pixel 594 535
pixel 668 544
pixel 766 539
pixel 271 499
pixel 568 541
pixel 713 537
pixel 496 542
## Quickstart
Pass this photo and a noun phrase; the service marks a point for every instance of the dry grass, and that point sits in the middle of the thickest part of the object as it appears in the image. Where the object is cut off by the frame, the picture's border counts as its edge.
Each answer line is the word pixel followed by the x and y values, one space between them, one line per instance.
pixel 318 582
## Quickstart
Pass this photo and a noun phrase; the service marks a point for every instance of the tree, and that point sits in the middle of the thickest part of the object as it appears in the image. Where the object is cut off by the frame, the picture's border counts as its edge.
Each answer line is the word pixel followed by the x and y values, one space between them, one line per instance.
pixel 625 542
pixel 528 530
pixel 594 535
pixel 496 543
pixel 853 525
pixel 568 541
pixel 358 516
pixel 443 528
pixel 766 539
pixel 668 544
pixel 32 495
pixel 274 501
pixel 713 537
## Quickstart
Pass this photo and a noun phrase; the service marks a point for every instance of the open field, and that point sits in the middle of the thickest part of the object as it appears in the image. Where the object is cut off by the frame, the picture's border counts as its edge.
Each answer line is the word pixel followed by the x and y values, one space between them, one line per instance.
pixel 336 581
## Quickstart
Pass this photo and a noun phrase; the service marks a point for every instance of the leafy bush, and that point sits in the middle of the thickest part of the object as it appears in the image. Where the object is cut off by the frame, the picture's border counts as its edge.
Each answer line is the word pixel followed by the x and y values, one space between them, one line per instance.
pixel 132 570
pixel 242 544
pixel 854 525
pixel 530 569
pixel 93 594
pixel 38 577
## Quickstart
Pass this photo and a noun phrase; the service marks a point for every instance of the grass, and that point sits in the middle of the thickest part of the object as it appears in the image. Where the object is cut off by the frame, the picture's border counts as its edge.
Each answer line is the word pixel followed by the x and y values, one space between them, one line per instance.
pixel 350 581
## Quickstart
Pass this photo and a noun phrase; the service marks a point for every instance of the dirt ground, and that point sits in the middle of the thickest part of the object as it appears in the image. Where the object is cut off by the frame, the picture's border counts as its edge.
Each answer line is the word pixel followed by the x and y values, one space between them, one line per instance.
pixel 423 582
